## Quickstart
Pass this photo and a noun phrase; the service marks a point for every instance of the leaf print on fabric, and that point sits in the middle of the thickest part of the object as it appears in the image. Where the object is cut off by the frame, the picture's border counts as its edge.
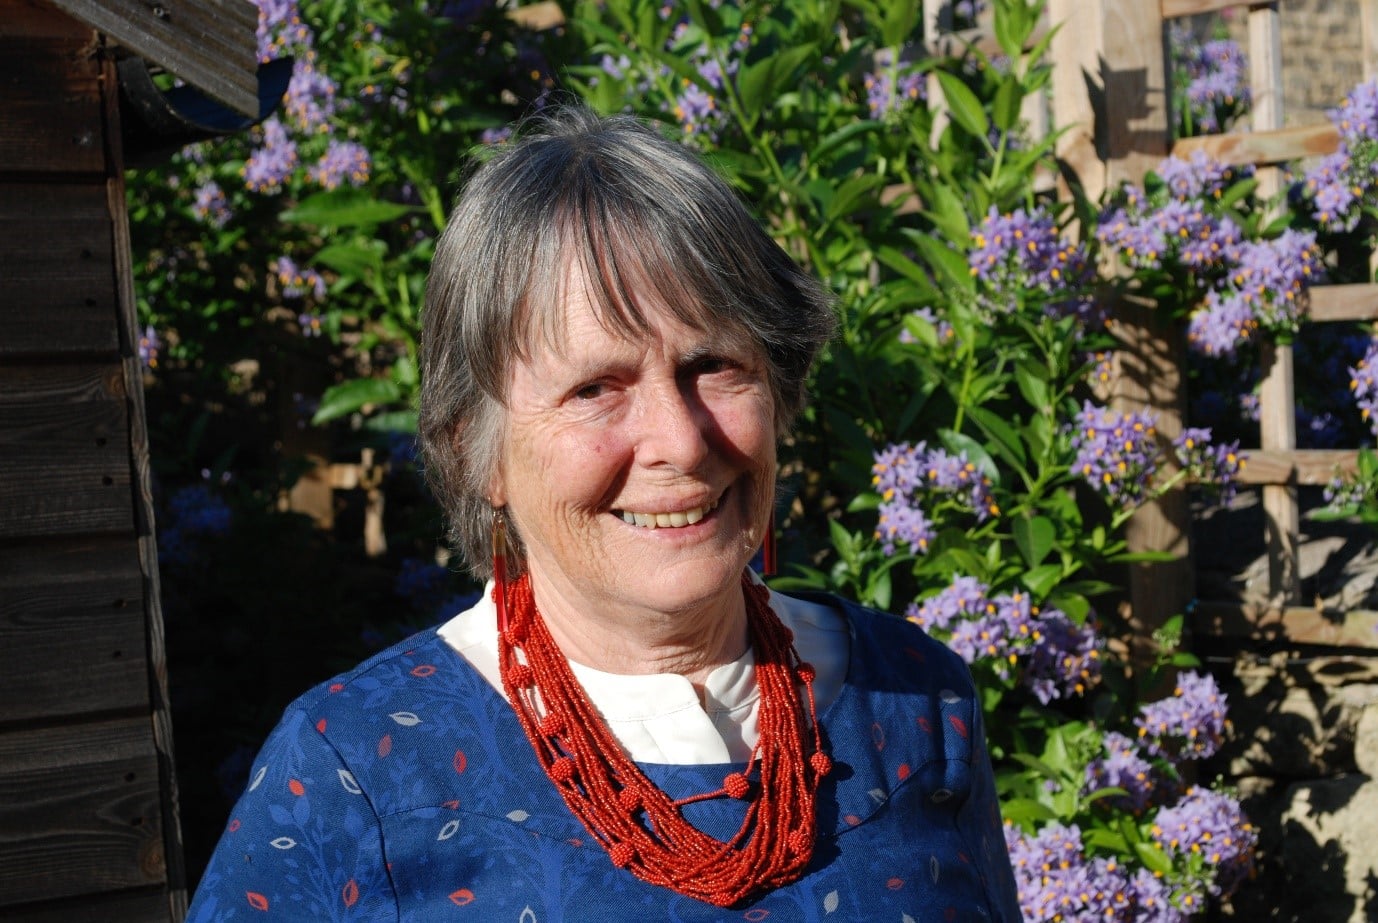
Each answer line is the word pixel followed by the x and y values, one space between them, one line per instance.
pixel 405 718
pixel 949 697
pixel 528 916
pixel 517 816
pixel 960 725
pixel 760 913
pixel 350 893
pixel 258 777
pixel 461 762
pixel 830 902
pixel 256 900
pixel 349 783
pixel 878 736
pixel 933 868
pixel 461 897
pixel 385 746
pixel 282 842
pixel 449 830
pixel 295 787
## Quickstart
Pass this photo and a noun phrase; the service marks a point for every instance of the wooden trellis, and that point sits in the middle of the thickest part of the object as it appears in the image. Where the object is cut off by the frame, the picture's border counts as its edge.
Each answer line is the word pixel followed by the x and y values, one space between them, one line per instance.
pixel 1110 94
pixel 1279 466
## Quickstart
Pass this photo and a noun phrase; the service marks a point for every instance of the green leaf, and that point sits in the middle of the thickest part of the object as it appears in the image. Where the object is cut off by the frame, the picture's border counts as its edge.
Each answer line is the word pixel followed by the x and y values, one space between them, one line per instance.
pixel 1034 538
pixel 356 259
pixel 396 421
pixel 761 82
pixel 1153 857
pixel 345 207
pixel 351 396
pixel 1041 580
pixel 963 106
pixel 1009 96
pixel 947 263
pixel 1002 432
pixel 949 214
pixel 1032 380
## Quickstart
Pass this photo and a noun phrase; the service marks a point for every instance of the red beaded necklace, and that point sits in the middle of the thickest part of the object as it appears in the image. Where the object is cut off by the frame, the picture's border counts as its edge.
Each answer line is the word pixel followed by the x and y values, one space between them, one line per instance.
pixel 642 829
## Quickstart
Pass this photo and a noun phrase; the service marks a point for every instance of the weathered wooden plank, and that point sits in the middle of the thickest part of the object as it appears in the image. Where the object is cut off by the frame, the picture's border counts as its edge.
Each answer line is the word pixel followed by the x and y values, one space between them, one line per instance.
pixel 1304 467
pixel 1109 86
pixel 72 628
pixel 146 905
pixel 538 16
pixel 1343 302
pixel 1263 147
pixel 1294 624
pixel 50 117
pixel 1176 9
pixel 64 469
pixel 66 383
pixel 79 811
pixel 57 293
pixel 211 44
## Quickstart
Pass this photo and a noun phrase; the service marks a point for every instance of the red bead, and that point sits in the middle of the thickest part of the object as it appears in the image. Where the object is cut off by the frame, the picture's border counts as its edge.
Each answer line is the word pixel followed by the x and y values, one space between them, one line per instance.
pixel 736 785
pixel 621 854
pixel 562 770
pixel 806 672
pixel 797 841
pixel 520 675
pixel 821 763
pixel 552 724
pixel 629 799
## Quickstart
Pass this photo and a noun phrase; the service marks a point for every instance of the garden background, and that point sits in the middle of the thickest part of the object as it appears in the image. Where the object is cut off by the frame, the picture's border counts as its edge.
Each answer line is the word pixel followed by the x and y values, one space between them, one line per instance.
pixel 960 465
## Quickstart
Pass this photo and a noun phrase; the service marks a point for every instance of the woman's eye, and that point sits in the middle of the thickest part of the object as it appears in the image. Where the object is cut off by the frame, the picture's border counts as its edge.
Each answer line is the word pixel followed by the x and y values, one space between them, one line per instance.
pixel 590 391
pixel 710 365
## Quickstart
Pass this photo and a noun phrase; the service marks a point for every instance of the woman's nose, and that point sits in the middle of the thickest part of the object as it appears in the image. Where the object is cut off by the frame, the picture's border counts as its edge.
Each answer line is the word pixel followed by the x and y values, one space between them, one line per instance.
pixel 675 428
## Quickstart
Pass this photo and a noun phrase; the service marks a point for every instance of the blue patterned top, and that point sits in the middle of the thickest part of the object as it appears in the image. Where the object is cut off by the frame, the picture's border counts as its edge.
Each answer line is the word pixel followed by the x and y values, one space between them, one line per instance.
pixel 406 790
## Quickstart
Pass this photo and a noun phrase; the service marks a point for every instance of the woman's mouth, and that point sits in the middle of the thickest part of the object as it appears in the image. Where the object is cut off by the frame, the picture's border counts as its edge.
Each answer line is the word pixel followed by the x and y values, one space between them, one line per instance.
pixel 677 519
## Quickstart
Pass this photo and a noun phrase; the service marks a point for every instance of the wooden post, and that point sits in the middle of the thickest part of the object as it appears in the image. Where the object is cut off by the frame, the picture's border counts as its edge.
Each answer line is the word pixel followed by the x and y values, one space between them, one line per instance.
pixel 937 21
pixel 1111 99
pixel 1277 398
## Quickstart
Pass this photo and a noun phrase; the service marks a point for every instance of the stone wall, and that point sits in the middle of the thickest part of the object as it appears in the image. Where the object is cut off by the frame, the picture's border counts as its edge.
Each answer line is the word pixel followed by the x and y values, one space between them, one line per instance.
pixel 1322 54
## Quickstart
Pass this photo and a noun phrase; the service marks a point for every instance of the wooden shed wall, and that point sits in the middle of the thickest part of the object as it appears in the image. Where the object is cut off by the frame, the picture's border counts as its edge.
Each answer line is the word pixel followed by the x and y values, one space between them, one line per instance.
pixel 87 806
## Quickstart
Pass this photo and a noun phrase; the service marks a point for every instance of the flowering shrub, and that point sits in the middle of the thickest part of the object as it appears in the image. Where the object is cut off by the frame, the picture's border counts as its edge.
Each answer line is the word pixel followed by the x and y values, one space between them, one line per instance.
pixel 961 465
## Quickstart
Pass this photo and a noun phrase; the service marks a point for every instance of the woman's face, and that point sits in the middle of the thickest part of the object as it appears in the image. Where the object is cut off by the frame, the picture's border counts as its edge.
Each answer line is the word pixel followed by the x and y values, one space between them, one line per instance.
pixel 639 472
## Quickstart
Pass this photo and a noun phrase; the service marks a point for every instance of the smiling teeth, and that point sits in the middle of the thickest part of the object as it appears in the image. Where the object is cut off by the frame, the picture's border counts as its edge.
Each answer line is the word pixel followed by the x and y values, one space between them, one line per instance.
pixel 668 520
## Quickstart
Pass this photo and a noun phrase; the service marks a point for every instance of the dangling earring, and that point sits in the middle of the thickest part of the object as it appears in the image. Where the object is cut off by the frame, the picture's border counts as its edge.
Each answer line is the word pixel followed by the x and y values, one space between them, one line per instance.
pixel 768 550
pixel 500 568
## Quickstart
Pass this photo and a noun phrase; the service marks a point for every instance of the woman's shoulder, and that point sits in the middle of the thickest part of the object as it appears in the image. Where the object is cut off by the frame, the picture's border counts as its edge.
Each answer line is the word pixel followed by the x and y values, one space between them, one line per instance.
pixel 413 665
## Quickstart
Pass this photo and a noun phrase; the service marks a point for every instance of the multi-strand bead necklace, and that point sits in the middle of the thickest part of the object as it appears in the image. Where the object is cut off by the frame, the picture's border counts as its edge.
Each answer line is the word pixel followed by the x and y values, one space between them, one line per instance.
pixel 640 826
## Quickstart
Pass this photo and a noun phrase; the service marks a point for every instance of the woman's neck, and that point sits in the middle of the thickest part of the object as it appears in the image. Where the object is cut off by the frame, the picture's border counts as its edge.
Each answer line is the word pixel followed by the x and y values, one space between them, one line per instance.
pixel 639 641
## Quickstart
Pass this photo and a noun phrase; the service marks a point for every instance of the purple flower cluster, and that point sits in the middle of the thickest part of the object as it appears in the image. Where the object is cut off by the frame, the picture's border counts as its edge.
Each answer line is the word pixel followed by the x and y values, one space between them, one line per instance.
pixel 941 327
pixel 297 282
pixel 342 160
pixel 310 99
pixel 1056 657
pixel 1363 381
pixel 1265 287
pixel 210 205
pixel 1123 766
pixel 1021 252
pixel 1117 453
pixel 1180 229
pixel 269 166
pixel 1216 466
pixel 280 29
pixel 1057 882
pixel 1217 76
pixel 1211 825
pixel 149 345
pixel 1197 176
pixel 191 514
pixel 888 91
pixel 1189 724
pixel 904 475
pixel 1343 183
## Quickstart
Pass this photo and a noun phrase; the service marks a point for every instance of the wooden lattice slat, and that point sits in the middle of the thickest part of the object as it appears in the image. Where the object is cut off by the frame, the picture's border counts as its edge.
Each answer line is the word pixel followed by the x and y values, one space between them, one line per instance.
pixel 1176 9
pixel 1305 467
pixel 1263 147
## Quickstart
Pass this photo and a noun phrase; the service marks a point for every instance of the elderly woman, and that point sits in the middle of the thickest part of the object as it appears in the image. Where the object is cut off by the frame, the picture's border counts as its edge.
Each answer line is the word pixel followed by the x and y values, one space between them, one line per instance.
pixel 629 725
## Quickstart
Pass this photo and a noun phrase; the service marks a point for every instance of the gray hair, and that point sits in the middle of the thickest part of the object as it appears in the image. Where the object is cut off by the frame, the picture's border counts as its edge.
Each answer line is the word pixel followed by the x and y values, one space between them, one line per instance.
pixel 649 223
